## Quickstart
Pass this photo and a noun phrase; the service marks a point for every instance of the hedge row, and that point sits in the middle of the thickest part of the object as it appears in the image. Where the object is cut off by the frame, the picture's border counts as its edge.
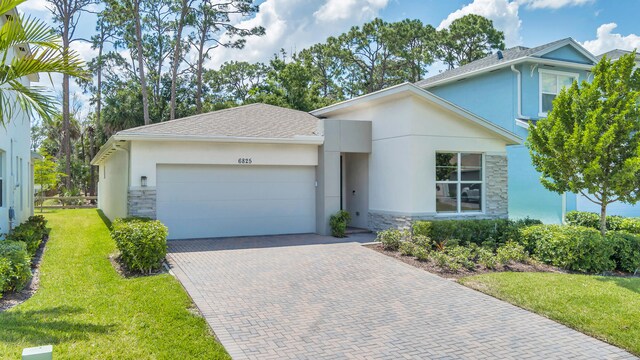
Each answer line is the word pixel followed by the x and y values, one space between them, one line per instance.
pixel 142 243
pixel 614 222
pixel 17 251
pixel 487 233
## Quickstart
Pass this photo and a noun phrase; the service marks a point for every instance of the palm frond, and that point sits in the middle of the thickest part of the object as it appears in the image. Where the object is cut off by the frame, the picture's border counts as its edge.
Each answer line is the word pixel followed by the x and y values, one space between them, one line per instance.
pixel 27 31
pixel 8 5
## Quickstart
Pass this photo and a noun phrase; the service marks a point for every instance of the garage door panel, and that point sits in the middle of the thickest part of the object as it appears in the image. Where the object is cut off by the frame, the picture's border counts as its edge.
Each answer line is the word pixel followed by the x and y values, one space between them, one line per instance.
pixel 232 209
pixel 196 201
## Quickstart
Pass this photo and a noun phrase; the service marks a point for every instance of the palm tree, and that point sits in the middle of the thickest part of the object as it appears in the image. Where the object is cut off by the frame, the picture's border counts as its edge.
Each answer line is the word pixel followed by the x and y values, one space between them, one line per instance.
pixel 41 52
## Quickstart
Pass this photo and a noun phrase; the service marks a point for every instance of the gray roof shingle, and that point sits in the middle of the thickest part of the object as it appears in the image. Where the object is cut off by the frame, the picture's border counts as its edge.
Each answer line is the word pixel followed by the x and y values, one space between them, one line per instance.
pixel 254 120
pixel 513 53
pixel 616 54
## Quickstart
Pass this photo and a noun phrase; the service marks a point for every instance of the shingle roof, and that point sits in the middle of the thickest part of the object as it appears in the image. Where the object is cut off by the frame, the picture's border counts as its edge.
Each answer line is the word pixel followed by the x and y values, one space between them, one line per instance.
pixel 513 53
pixel 254 120
pixel 616 54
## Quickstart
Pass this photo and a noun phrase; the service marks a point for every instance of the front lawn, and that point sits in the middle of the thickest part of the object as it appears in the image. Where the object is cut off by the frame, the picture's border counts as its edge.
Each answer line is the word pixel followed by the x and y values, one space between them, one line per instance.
pixel 607 308
pixel 86 310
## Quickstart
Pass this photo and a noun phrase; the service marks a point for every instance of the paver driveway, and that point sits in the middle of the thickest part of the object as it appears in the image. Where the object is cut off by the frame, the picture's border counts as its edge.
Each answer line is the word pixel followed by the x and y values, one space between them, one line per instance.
pixel 312 297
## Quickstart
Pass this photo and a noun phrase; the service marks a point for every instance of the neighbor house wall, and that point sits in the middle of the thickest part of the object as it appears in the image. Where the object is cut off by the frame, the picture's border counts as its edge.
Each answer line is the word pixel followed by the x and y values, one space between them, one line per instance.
pixel 113 184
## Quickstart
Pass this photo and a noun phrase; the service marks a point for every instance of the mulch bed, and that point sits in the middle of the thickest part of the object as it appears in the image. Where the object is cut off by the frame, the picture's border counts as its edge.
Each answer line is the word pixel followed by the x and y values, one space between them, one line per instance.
pixel 122 270
pixel 445 273
pixel 12 299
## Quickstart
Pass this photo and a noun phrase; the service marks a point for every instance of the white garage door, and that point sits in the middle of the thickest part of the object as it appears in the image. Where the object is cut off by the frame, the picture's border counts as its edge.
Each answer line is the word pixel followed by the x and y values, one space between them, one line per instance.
pixel 200 201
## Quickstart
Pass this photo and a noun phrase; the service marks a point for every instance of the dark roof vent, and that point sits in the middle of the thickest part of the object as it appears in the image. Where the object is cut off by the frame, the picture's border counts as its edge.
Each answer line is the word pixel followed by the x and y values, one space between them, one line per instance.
pixel 500 56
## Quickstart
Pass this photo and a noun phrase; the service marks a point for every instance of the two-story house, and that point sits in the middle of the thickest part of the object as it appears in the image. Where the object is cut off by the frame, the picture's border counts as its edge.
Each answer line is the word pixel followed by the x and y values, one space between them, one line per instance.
pixel 513 88
pixel 16 160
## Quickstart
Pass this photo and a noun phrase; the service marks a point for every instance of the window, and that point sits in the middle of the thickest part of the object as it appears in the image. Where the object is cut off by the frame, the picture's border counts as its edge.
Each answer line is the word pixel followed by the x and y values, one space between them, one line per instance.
pixel 459 182
pixel 551 82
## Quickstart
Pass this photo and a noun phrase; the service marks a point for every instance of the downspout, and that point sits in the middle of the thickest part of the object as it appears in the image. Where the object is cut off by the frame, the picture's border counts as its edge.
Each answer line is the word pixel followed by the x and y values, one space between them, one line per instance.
pixel 12 213
pixel 519 91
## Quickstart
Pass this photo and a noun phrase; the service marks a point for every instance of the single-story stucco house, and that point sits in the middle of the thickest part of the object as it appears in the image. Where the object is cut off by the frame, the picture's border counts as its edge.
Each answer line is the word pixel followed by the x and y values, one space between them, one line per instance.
pixel 388 158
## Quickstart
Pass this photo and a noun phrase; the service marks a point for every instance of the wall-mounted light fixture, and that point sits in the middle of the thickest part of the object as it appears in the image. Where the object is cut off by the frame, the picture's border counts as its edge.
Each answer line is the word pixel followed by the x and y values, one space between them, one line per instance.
pixel 143 181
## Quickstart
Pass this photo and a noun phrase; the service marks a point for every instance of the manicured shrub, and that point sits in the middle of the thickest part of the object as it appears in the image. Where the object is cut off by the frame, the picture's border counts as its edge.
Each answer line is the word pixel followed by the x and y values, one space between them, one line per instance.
pixel 630 225
pixel 421 253
pixel 28 234
pixel 626 250
pixel 489 233
pixel 486 258
pixel 422 241
pixel 392 238
pixel 462 255
pixel 338 223
pixel 511 252
pixel 142 243
pixel 407 248
pixel 15 265
pixel 575 248
pixel 592 220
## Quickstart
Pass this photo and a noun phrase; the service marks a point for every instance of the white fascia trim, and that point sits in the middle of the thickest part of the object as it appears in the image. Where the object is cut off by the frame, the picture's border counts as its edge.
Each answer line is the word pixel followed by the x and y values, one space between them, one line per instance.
pixel 573 44
pixel 105 152
pixel 522 123
pixel 538 60
pixel 298 139
pixel 415 90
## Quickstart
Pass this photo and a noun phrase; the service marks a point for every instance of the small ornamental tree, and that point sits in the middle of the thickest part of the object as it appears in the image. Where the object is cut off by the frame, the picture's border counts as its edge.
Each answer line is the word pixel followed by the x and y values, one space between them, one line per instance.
pixel 590 142
pixel 45 174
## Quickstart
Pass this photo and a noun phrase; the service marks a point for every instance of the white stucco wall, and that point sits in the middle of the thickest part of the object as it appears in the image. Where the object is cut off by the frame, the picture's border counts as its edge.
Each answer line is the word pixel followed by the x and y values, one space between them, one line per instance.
pixel 15 168
pixel 407 132
pixel 113 184
pixel 145 155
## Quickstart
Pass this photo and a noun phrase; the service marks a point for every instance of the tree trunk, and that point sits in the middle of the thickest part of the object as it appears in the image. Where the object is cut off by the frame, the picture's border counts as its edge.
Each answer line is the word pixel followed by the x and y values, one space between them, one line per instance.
pixel 176 59
pixel 199 76
pixel 66 122
pixel 603 218
pixel 143 82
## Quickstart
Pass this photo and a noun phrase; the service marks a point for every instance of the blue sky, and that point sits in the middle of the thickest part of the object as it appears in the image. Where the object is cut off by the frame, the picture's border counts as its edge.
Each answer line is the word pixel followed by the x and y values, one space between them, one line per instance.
pixel 600 25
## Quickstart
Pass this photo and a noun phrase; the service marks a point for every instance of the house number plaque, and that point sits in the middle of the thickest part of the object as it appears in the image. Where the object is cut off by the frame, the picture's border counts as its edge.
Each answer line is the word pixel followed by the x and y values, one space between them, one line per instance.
pixel 244 161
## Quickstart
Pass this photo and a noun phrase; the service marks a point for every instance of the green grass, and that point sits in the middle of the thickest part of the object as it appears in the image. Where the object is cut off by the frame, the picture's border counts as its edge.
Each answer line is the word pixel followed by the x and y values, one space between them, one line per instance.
pixel 607 308
pixel 86 310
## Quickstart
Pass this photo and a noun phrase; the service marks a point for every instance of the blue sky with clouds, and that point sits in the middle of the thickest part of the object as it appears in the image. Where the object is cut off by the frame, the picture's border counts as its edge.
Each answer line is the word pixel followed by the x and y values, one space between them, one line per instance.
pixel 600 25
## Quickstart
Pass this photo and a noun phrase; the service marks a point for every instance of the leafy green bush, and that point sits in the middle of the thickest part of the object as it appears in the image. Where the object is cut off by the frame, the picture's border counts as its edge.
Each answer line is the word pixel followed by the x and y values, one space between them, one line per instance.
pixel 575 248
pixel 592 220
pixel 630 225
pixel 142 243
pixel 338 223
pixel 511 251
pixel 462 255
pixel 407 248
pixel 31 232
pixel 626 250
pixel 391 238
pixel 421 253
pixel 486 258
pixel 422 241
pixel 490 233
pixel 15 265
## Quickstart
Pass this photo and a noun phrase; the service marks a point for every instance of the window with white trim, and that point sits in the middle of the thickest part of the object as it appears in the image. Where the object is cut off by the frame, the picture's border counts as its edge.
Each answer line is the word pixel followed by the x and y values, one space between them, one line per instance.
pixel 551 82
pixel 459 182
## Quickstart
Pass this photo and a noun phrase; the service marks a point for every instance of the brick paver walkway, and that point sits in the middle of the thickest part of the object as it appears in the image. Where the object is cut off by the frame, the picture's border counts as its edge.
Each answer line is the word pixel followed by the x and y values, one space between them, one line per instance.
pixel 310 297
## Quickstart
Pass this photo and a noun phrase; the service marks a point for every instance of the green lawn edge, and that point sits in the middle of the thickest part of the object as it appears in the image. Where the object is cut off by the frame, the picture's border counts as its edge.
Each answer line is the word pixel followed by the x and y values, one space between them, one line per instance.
pixel 606 308
pixel 86 310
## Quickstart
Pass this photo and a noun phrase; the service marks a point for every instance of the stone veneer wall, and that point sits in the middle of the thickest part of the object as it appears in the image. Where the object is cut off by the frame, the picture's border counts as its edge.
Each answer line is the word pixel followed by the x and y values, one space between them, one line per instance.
pixel 142 202
pixel 496 201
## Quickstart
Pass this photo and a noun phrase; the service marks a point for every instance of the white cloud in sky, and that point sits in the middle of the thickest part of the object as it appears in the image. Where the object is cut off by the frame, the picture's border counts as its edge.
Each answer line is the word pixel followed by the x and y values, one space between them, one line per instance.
pixel 289 26
pixel 607 40
pixel 503 13
pixel 553 4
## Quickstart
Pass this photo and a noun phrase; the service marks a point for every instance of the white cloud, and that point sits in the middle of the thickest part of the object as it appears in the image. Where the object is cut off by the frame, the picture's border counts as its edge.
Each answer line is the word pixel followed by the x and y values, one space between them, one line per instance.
pixel 289 26
pixel 606 40
pixel 84 50
pixel 335 10
pixel 35 5
pixel 553 4
pixel 503 13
